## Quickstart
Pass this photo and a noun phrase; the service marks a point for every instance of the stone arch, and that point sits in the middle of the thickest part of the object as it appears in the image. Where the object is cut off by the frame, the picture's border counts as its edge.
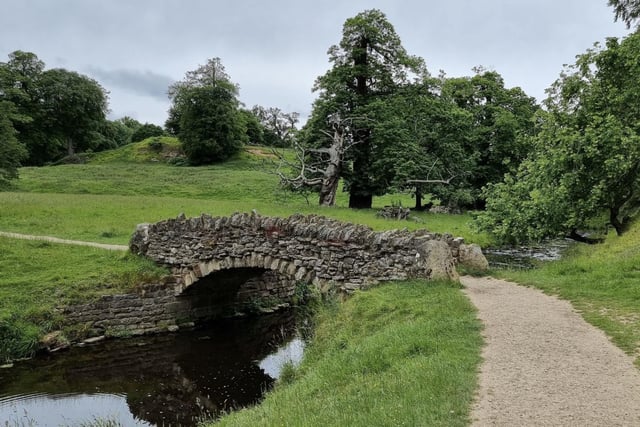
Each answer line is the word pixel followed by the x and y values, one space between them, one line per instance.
pixel 229 292
pixel 313 249
pixel 189 275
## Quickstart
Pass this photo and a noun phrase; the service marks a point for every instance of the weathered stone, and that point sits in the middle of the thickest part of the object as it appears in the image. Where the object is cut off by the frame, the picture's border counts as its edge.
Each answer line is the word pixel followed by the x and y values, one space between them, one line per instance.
pixel 439 263
pixel 471 256
pixel 313 242
pixel 319 251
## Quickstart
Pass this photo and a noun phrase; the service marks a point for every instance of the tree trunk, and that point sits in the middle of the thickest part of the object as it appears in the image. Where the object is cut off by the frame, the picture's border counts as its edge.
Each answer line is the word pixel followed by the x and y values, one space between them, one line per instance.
pixel 619 225
pixel 332 172
pixel 71 150
pixel 418 199
pixel 360 195
pixel 360 201
pixel 328 190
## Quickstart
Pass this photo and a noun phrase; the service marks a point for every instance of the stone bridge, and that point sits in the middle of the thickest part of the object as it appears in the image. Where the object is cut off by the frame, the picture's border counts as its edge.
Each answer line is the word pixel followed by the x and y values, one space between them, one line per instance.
pixel 226 266
pixel 308 249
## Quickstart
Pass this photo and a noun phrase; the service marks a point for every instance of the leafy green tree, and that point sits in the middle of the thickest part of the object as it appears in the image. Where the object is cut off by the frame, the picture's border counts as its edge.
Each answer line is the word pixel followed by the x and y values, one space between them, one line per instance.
pixel 627 11
pixel 254 129
pixel 205 114
pixel 20 84
pixel 12 153
pixel 430 135
pixel 501 117
pixel 61 111
pixel 145 131
pixel 113 134
pixel 369 63
pixel 75 109
pixel 210 125
pixel 587 152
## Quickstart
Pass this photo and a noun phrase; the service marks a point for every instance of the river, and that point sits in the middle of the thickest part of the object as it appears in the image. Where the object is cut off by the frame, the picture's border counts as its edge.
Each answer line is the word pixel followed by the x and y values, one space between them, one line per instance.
pixel 161 380
pixel 526 256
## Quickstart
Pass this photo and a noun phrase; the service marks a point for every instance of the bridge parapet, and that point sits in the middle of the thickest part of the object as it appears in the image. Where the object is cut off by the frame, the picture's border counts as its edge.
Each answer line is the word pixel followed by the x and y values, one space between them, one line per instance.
pixel 311 248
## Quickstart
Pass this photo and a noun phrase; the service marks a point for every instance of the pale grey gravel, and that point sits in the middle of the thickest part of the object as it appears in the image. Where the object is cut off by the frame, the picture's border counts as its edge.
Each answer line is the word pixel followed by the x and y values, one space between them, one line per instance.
pixel 544 365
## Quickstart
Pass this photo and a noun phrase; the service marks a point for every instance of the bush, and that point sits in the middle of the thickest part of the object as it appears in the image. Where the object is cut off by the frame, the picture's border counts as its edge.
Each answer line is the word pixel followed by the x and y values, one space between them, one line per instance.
pixel 145 131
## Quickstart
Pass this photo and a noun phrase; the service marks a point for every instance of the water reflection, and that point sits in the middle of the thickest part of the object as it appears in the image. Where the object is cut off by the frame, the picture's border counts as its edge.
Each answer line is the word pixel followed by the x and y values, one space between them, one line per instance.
pixel 170 380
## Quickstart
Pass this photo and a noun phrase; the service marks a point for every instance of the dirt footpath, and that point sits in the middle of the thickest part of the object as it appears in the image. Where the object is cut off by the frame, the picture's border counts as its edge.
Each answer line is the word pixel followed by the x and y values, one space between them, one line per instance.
pixel 545 366
pixel 64 241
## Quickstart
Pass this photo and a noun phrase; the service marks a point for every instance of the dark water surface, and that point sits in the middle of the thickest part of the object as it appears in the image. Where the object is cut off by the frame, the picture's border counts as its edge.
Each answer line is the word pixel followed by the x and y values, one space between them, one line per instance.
pixel 163 380
pixel 526 256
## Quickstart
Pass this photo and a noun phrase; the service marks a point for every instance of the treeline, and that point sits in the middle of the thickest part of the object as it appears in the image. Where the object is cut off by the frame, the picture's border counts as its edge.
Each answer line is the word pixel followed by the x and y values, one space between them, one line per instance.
pixel 382 122
pixel 53 115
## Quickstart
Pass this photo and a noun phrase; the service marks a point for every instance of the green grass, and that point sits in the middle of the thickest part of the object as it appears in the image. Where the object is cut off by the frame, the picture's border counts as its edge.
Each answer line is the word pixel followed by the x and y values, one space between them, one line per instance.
pixel 37 277
pixel 399 354
pixel 602 282
pixel 113 218
pixel 141 152
pixel 104 200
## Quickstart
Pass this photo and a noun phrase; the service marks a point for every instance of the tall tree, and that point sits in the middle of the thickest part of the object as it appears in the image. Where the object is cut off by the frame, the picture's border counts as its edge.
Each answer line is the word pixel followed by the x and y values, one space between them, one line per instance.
pixel 65 111
pixel 205 114
pixel 501 117
pixel 20 84
pixel 368 63
pixel 587 152
pixel 75 108
pixel 431 135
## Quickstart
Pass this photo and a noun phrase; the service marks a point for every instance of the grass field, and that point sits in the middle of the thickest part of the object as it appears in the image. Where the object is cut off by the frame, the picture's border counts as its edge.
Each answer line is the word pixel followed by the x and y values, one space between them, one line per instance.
pixel 104 200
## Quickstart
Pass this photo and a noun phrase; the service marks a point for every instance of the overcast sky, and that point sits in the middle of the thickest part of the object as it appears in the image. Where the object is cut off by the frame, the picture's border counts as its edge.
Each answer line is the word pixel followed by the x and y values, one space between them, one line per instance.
pixel 275 49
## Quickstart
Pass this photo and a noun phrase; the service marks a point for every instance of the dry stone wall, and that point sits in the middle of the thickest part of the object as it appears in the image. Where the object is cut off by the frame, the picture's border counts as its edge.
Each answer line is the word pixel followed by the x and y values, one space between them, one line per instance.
pixel 311 249
pixel 157 308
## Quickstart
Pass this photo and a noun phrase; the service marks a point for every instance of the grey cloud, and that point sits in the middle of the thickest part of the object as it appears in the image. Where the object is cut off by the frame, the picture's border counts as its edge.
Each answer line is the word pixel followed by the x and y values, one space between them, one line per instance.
pixel 274 50
pixel 144 83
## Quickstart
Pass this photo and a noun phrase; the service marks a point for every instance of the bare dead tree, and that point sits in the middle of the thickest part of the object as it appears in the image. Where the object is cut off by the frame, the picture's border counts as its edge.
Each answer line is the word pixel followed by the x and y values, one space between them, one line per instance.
pixel 319 168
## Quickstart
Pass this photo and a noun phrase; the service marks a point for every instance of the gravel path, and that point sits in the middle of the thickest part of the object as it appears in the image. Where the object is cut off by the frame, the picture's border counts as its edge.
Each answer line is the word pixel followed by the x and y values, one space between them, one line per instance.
pixel 545 366
pixel 65 241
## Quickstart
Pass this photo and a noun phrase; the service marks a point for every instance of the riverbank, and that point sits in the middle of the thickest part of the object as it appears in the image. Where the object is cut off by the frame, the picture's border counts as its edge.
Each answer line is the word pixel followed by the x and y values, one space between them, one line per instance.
pixel 39 276
pixel 398 354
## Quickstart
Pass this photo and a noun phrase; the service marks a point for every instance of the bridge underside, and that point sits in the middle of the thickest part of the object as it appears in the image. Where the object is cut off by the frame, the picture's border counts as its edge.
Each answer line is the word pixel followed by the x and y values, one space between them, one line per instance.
pixel 238 290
